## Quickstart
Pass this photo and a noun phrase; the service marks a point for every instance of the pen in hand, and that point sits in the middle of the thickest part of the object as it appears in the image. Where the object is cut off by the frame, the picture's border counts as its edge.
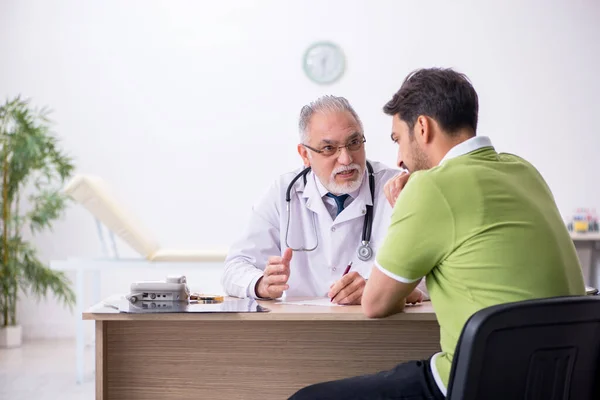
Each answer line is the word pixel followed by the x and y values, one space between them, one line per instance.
pixel 347 269
pixel 345 272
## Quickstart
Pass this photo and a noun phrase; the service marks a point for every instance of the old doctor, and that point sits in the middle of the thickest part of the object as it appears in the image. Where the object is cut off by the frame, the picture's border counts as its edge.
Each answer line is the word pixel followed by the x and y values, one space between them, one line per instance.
pixel 314 222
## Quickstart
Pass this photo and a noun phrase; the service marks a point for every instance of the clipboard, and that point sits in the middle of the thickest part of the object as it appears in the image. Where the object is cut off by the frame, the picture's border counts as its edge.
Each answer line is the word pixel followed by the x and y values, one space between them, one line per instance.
pixel 247 305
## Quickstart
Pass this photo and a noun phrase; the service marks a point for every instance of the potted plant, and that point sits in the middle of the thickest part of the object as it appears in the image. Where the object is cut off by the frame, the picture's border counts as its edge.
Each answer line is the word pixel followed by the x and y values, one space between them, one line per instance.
pixel 32 172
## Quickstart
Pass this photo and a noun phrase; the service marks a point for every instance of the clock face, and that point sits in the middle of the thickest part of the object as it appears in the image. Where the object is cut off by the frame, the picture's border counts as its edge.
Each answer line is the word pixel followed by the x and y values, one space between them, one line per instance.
pixel 324 62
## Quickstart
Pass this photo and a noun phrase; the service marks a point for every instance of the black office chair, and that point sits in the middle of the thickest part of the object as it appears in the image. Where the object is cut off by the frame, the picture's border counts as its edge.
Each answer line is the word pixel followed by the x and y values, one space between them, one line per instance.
pixel 544 349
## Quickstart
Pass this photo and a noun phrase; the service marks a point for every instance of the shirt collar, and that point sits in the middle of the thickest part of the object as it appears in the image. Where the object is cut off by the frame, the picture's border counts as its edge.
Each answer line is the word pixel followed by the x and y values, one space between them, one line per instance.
pixel 468 146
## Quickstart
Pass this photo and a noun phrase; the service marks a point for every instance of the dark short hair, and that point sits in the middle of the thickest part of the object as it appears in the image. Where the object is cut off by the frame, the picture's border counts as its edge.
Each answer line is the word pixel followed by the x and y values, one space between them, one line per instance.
pixel 442 94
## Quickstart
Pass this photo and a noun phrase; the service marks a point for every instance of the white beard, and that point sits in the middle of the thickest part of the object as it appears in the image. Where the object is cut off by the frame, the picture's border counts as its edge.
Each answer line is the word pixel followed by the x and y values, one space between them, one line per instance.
pixel 349 187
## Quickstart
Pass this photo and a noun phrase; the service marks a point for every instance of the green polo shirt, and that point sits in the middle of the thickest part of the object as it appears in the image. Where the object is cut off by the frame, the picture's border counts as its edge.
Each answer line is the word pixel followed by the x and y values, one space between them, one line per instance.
pixel 483 228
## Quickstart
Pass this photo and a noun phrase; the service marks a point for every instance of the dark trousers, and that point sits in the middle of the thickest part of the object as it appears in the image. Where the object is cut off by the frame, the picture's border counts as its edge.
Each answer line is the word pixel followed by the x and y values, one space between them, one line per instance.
pixel 411 381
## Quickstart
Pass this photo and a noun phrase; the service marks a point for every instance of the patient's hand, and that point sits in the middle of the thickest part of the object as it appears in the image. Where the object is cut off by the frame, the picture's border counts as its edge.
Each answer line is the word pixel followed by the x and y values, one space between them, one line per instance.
pixel 274 280
pixel 415 297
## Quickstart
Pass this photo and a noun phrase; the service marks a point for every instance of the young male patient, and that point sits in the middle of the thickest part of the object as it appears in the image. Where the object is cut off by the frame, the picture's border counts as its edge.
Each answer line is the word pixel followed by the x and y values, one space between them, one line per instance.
pixel 482 226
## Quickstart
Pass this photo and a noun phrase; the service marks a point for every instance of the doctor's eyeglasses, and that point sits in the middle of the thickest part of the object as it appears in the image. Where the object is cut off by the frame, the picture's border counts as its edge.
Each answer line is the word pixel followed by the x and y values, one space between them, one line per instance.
pixel 330 149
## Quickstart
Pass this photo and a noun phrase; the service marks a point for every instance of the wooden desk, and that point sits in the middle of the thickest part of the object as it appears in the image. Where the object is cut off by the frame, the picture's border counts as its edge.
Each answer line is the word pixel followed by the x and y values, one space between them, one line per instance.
pixel 250 355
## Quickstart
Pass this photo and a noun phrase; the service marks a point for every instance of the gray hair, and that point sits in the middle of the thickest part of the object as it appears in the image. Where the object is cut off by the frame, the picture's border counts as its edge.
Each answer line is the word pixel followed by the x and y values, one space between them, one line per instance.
pixel 324 104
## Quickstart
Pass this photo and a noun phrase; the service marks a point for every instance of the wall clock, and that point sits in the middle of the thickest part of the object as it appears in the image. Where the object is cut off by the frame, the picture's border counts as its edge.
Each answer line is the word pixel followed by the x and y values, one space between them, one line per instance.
pixel 324 62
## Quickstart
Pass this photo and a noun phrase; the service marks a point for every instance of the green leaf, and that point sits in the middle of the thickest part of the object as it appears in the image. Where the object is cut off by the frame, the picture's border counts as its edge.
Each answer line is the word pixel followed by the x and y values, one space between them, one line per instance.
pixel 32 167
pixel 38 278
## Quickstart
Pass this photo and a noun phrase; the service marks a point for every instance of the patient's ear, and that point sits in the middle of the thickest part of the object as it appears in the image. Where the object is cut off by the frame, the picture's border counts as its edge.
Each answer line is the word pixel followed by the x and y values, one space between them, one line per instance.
pixel 423 129
pixel 304 154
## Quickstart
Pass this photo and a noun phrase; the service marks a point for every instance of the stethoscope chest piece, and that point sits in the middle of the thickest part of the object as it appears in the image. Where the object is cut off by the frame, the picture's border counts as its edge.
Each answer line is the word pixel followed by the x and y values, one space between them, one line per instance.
pixel 365 252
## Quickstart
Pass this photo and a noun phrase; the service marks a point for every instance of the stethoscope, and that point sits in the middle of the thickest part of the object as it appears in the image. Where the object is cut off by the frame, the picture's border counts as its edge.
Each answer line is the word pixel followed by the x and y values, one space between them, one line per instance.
pixel 364 250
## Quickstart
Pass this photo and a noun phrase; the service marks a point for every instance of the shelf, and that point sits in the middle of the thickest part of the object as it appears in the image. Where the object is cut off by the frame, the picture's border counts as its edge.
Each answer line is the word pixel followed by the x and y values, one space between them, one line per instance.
pixel 585 237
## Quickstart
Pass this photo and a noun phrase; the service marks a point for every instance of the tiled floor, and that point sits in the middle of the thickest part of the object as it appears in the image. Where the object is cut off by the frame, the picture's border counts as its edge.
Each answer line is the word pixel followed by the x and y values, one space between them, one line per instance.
pixel 44 370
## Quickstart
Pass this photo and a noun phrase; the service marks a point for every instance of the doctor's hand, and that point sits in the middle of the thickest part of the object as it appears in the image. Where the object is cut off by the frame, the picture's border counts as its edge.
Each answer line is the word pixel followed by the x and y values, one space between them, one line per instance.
pixel 394 186
pixel 274 280
pixel 347 290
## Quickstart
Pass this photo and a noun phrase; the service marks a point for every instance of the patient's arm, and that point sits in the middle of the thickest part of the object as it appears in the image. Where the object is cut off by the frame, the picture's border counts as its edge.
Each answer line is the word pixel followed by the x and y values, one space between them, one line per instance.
pixel 384 296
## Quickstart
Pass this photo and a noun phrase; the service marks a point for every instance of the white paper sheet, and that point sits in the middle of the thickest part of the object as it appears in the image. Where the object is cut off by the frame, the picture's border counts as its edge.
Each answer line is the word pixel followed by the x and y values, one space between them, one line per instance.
pixel 325 301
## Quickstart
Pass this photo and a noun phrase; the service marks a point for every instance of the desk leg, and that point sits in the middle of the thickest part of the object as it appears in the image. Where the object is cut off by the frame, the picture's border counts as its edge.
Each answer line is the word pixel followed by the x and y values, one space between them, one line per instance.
pixel 588 262
pixel 79 291
pixel 96 286
pixel 594 250
pixel 101 382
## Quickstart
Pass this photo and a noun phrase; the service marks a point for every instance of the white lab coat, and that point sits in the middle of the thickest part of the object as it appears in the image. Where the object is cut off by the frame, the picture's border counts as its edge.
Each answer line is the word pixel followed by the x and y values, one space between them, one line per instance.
pixel 311 273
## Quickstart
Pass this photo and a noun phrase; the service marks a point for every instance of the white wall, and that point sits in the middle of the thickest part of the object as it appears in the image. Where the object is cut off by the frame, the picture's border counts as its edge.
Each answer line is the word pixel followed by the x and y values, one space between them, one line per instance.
pixel 189 108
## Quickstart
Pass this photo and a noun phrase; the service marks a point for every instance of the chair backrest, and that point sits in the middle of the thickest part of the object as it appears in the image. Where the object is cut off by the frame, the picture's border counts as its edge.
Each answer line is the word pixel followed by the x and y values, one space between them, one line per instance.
pixel 543 349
